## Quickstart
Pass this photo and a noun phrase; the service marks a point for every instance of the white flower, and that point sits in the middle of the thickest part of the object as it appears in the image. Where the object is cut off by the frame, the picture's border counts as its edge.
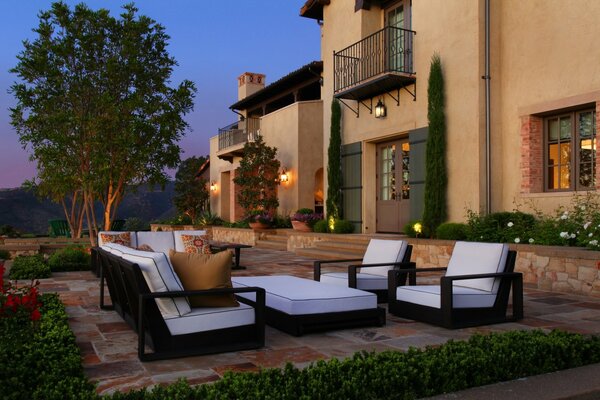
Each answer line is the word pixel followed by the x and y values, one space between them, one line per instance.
pixel 564 216
pixel 586 225
pixel 510 224
pixel 517 240
pixel 573 236
pixel 564 235
pixel 582 208
pixel 531 240
pixel 594 242
pixel 591 234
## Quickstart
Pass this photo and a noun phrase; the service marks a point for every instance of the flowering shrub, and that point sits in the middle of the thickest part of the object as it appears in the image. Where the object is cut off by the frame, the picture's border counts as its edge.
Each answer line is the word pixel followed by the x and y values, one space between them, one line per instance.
pixel 307 215
pixel 261 216
pixel 18 302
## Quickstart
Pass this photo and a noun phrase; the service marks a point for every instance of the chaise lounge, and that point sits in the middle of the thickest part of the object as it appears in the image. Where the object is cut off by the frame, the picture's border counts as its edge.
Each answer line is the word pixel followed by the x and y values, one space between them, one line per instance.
pixel 474 290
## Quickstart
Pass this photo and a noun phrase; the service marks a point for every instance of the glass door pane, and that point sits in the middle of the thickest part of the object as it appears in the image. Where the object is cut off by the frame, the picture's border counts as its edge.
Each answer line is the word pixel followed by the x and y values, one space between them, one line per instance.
pixel 387 173
pixel 395 19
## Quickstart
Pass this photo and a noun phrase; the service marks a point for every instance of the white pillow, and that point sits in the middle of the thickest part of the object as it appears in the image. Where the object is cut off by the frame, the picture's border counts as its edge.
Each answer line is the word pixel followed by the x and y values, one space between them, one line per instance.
pixel 478 258
pixel 179 242
pixel 381 251
pixel 158 241
pixel 160 277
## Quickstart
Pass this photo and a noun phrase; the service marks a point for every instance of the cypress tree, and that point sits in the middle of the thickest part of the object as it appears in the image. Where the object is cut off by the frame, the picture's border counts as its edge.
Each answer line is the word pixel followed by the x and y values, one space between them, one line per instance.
pixel 436 179
pixel 334 165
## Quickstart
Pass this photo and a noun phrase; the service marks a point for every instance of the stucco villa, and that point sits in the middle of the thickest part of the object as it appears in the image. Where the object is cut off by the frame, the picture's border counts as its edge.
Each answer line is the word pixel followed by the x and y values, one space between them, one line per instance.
pixel 288 114
pixel 521 91
pixel 522 96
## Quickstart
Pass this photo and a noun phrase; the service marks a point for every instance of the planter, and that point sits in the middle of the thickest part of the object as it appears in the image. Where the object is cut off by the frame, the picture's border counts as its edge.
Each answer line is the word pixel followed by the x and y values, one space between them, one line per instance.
pixel 301 226
pixel 258 226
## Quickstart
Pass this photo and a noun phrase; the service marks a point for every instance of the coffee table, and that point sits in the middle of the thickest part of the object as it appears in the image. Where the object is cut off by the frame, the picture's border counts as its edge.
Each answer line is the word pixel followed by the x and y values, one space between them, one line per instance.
pixel 237 249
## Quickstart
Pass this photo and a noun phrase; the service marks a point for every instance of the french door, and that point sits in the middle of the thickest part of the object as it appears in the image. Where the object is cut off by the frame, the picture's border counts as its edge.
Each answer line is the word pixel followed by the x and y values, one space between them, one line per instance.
pixel 393 188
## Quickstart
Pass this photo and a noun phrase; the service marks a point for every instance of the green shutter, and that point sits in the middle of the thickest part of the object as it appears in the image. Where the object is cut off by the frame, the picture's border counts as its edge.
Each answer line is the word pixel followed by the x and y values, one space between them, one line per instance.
pixel 352 184
pixel 418 145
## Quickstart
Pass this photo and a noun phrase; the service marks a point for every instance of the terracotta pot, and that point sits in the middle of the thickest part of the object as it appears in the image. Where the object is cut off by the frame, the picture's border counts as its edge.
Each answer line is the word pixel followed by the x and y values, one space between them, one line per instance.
pixel 257 226
pixel 301 226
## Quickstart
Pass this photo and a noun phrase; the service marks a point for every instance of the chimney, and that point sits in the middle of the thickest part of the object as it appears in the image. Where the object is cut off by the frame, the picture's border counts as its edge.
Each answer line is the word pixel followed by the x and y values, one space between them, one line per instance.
pixel 249 83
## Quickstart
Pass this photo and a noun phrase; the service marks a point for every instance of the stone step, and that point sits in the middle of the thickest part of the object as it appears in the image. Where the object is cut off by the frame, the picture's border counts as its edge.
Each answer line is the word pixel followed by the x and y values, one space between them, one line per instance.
pixel 319 254
pixel 275 238
pixel 350 247
pixel 272 245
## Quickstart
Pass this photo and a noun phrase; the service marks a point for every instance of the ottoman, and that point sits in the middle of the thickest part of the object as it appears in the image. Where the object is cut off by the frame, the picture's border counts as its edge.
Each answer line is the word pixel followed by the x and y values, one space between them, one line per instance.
pixel 298 306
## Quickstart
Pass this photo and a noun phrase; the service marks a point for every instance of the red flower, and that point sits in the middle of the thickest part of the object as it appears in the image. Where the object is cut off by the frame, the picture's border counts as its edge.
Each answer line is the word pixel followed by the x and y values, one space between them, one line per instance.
pixel 35 315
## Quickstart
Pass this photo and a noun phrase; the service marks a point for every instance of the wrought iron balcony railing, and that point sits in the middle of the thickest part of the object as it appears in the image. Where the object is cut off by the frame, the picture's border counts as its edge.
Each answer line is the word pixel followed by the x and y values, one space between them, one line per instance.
pixel 388 51
pixel 239 132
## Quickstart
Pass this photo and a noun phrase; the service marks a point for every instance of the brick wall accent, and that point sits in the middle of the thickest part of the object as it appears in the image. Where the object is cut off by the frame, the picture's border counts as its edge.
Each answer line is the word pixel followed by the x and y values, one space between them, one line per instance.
pixel 532 156
pixel 598 145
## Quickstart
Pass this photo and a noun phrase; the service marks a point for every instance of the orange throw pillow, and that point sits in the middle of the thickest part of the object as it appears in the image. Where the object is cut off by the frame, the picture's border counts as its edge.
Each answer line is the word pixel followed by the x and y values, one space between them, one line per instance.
pixel 196 244
pixel 205 271
pixel 123 238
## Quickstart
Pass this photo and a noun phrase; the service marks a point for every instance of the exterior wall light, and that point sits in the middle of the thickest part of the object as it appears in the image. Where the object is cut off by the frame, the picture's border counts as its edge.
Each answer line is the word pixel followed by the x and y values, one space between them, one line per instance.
pixel 213 186
pixel 380 110
pixel 284 176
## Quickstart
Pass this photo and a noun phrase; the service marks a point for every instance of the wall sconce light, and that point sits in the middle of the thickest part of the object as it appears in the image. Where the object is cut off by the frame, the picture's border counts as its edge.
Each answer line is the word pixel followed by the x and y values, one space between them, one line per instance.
pixel 284 176
pixel 380 110
pixel 213 186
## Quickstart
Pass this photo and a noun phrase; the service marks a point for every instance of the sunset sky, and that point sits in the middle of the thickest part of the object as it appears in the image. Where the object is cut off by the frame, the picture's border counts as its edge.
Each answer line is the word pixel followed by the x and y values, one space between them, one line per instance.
pixel 213 42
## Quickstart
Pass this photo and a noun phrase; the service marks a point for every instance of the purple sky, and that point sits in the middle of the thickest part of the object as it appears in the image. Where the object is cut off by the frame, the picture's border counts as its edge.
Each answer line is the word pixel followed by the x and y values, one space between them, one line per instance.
pixel 213 42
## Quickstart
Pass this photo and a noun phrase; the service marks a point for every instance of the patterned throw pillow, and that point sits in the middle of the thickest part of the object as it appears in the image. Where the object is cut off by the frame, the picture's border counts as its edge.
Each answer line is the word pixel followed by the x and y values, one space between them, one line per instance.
pixel 196 244
pixel 123 238
pixel 145 247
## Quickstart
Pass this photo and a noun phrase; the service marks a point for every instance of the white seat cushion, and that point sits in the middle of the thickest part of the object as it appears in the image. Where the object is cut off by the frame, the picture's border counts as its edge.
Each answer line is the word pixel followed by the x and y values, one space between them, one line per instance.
pixel 381 251
pixel 158 241
pixel 429 295
pixel 363 281
pixel 132 237
pixel 179 242
pixel 211 318
pixel 159 275
pixel 478 258
pixel 297 296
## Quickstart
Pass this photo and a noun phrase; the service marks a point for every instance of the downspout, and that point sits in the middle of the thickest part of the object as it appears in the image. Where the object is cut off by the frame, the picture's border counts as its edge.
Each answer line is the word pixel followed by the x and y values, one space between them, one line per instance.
pixel 488 128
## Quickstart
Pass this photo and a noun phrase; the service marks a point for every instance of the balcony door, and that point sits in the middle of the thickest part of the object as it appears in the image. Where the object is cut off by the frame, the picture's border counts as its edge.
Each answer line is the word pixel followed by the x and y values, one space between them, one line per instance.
pixel 393 189
pixel 398 16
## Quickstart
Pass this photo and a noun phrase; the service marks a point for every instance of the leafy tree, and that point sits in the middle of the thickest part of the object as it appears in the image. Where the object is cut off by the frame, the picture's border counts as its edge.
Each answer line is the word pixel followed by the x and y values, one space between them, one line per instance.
pixel 94 105
pixel 191 192
pixel 436 180
pixel 334 166
pixel 257 177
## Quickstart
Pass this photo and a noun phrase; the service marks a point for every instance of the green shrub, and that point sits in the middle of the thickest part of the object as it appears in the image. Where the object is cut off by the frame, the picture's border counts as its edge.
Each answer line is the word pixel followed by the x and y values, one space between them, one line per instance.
pixel 401 375
pixel 4 255
pixel 343 226
pixel 135 224
pixel 8 230
pixel 207 218
pixel 42 361
pixel 282 222
pixel 452 231
pixel 304 211
pixel 501 227
pixel 321 226
pixel 29 267
pixel 72 258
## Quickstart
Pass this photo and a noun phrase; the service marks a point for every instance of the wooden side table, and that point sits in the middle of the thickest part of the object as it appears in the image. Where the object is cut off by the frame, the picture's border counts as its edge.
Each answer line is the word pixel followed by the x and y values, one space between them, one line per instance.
pixel 237 248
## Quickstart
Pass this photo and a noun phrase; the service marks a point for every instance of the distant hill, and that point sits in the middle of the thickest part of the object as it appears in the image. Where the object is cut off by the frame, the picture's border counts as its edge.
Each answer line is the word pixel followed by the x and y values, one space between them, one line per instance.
pixel 27 213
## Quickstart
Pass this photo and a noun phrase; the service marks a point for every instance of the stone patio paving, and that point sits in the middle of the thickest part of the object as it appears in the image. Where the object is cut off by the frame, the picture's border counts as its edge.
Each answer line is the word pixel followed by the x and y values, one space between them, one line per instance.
pixel 109 346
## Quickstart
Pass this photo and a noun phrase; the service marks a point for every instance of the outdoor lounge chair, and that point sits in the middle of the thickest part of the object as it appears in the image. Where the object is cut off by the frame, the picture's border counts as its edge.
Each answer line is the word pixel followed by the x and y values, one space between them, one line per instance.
pixel 371 274
pixel 474 291
pixel 163 318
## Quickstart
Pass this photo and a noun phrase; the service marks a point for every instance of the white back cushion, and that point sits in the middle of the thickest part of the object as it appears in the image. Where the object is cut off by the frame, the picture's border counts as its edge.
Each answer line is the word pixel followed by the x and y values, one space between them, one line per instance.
pixel 179 242
pixel 160 277
pixel 478 258
pixel 158 241
pixel 132 236
pixel 381 251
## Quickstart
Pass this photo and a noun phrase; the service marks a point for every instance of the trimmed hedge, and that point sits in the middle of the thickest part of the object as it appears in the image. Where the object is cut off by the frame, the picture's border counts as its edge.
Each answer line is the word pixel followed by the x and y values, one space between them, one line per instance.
pixel 41 361
pixel 394 375
pixel 452 231
pixel 29 267
pixel 72 258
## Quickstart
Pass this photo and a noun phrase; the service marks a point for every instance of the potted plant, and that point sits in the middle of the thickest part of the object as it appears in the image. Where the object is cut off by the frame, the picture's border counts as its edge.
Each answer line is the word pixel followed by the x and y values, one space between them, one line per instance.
pixel 260 220
pixel 304 219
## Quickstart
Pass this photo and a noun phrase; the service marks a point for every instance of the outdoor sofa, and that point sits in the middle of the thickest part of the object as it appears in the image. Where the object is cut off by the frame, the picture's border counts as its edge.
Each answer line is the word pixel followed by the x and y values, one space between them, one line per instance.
pixel 147 293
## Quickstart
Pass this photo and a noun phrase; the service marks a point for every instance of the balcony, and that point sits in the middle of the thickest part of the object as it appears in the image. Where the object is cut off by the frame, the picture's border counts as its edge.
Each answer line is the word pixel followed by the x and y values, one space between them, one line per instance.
pixel 379 63
pixel 233 137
